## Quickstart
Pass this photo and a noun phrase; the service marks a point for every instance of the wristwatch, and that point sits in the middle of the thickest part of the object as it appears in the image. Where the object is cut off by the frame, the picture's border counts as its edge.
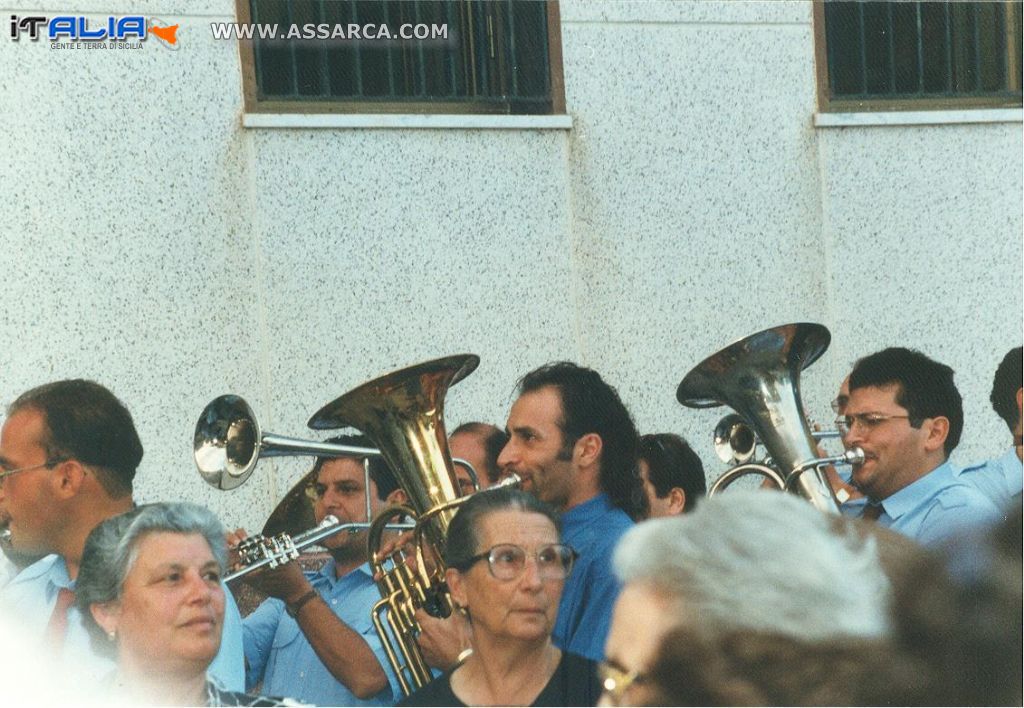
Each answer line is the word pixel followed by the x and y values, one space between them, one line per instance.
pixel 292 608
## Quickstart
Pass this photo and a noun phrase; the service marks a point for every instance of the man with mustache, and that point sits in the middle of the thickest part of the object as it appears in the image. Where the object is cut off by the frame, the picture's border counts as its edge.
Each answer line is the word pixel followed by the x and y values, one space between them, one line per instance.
pixel 575 446
pixel 906 414
pixel 314 641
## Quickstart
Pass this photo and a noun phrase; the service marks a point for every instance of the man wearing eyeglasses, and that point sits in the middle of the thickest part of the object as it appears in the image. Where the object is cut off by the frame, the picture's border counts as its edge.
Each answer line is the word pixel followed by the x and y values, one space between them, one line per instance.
pixel 906 414
pixel 68 455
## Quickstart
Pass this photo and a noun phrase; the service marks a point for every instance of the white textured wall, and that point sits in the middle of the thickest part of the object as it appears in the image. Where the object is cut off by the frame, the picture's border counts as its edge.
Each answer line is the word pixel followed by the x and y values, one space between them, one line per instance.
pixel 150 242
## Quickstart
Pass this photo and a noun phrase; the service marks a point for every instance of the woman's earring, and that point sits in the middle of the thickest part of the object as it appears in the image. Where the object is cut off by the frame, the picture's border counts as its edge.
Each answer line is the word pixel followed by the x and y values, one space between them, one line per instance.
pixel 111 635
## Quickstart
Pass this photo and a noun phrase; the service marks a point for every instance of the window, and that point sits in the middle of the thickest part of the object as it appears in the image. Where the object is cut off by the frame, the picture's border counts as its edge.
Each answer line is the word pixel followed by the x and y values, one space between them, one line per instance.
pixel 405 56
pixel 917 55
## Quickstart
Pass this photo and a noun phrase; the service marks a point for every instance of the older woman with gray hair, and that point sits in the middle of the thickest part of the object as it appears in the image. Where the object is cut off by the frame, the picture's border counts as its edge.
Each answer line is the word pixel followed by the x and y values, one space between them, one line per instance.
pixel 506 569
pixel 149 588
pixel 748 561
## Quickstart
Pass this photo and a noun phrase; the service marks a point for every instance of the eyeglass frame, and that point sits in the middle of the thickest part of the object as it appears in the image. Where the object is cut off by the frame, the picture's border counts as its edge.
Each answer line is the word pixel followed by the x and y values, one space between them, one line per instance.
pixel 845 423
pixel 49 464
pixel 486 555
pixel 615 681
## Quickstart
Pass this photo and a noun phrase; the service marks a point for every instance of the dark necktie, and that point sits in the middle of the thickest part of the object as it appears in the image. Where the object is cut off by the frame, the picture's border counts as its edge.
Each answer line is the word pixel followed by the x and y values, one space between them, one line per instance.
pixel 57 629
pixel 872 511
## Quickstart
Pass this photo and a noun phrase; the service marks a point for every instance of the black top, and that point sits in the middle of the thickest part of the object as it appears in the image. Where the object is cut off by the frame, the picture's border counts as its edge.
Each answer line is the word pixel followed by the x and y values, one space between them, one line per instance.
pixel 574 683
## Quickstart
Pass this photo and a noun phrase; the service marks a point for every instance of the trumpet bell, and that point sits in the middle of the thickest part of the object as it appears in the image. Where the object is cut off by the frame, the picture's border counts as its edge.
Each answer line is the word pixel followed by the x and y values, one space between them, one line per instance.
pixel 735 442
pixel 226 442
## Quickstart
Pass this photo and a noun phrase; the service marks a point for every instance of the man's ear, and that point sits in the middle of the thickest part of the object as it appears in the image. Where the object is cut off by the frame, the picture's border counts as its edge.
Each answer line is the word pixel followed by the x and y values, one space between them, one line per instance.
pixel 938 431
pixel 107 616
pixel 587 450
pixel 68 477
pixel 676 500
pixel 398 496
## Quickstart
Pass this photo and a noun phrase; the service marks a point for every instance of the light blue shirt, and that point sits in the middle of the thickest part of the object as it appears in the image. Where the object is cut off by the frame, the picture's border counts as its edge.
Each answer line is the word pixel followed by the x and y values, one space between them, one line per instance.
pixel 1000 479
pixel 934 508
pixel 593 528
pixel 32 595
pixel 279 653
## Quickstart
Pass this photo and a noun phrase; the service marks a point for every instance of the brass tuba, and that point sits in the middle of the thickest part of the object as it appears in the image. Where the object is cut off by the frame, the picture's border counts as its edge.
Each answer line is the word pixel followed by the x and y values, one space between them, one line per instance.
pixel 759 377
pixel 403 414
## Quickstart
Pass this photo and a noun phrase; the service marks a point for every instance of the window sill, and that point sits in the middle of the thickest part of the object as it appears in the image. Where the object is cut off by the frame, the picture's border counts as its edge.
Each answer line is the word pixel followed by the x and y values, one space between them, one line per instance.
pixel 406 121
pixel 886 118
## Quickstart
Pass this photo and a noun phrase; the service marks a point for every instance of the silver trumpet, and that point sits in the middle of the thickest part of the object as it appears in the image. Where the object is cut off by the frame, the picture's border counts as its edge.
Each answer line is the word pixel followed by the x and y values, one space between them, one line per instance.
pixel 259 551
pixel 228 442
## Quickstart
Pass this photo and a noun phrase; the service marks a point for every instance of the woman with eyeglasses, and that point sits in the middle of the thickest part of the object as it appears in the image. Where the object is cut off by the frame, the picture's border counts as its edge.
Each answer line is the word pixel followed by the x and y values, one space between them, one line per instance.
pixel 149 588
pixel 506 570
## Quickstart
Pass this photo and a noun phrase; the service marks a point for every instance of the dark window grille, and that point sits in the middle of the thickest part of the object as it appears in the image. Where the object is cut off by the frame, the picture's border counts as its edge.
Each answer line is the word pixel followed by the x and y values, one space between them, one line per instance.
pixel 913 51
pixel 495 59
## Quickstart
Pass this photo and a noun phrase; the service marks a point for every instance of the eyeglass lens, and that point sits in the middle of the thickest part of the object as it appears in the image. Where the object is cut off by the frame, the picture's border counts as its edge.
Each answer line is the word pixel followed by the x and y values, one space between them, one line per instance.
pixel 507 561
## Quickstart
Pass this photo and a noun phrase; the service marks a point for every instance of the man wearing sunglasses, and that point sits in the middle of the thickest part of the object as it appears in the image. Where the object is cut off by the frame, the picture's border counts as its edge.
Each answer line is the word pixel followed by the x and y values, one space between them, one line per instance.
pixel 906 414
pixel 68 455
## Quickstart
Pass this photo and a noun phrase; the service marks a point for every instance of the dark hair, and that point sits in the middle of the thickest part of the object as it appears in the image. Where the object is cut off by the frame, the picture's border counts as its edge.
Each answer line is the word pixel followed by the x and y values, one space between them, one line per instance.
pixel 672 463
pixel 86 422
pixel 924 387
pixel 759 669
pixel 380 473
pixel 957 620
pixel 494 440
pixel 1007 382
pixel 463 532
pixel 590 405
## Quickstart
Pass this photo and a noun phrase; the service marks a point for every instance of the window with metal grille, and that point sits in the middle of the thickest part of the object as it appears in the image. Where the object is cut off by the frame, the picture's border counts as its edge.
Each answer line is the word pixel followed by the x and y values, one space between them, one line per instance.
pixel 492 56
pixel 912 55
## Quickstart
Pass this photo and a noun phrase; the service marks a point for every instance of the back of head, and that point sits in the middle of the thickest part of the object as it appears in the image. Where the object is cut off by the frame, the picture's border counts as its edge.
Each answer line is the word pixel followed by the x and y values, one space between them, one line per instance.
pixel 1007 381
pixel 671 462
pixel 462 540
pixel 493 439
pixel 754 669
pixel 958 619
pixel 380 472
pixel 924 387
pixel 86 422
pixel 590 405
pixel 761 561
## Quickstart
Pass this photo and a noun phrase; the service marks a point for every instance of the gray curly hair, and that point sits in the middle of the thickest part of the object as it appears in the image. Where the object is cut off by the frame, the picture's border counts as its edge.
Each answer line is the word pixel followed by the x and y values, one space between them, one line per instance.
pixel 756 560
pixel 112 549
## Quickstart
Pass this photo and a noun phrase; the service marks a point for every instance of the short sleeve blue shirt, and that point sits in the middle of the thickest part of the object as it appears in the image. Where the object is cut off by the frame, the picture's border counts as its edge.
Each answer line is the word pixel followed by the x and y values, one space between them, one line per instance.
pixel 278 652
pixel 936 507
pixel 593 528
pixel 1000 479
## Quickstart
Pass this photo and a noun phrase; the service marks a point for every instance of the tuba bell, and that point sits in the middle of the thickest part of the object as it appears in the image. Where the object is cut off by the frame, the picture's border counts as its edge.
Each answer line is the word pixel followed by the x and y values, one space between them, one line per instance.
pixel 403 414
pixel 759 378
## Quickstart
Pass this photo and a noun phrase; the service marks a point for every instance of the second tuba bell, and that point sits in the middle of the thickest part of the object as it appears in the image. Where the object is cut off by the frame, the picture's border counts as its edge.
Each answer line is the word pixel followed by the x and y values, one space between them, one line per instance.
pixel 759 378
